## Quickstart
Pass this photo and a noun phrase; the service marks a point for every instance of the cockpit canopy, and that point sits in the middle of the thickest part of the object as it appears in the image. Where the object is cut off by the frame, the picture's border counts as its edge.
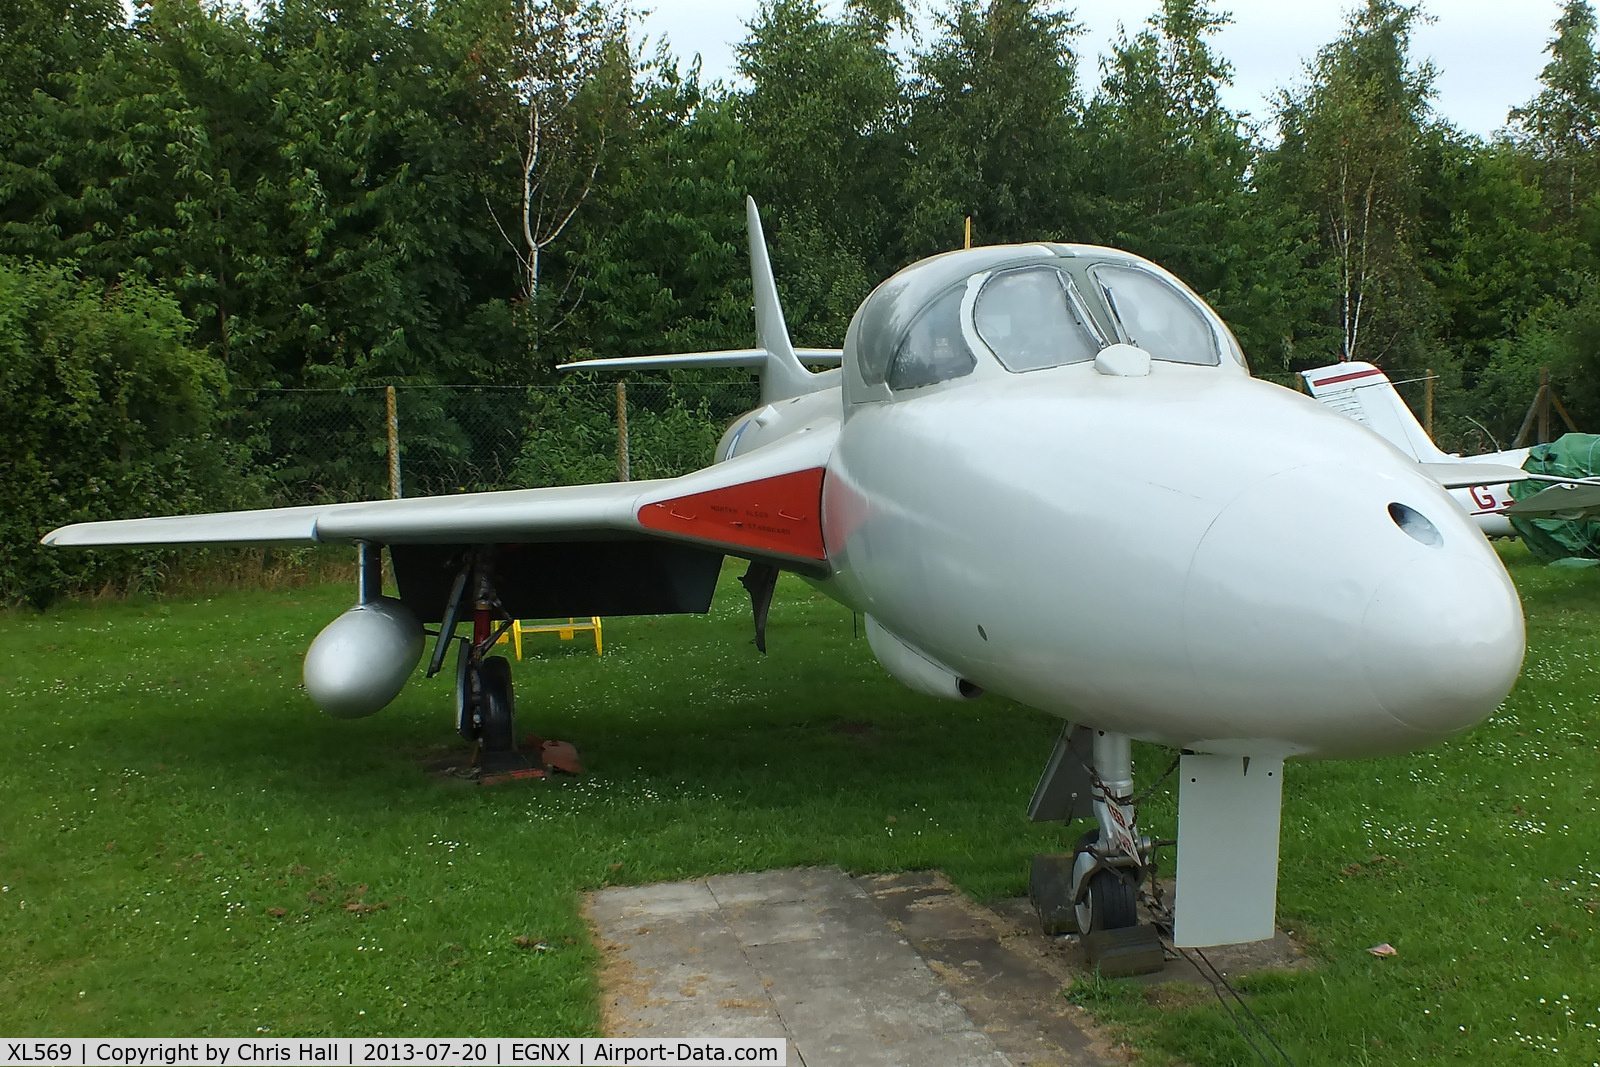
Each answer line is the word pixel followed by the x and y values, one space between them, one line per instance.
pixel 1024 308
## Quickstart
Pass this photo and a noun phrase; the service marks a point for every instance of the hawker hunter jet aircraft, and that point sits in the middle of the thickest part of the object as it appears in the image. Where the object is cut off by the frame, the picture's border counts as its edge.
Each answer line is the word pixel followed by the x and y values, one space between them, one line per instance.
pixel 1041 471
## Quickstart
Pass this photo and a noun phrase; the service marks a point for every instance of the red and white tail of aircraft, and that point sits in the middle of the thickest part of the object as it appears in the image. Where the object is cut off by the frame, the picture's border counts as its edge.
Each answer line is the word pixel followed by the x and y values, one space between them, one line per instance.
pixel 1363 392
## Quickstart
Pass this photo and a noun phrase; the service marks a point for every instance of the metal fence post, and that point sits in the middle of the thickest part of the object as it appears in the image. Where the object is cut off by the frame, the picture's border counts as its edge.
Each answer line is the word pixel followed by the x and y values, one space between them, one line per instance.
pixel 394 444
pixel 623 465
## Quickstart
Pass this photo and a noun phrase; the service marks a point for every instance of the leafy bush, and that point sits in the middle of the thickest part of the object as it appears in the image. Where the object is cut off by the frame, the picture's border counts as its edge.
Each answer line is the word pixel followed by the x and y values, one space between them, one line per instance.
pixel 673 428
pixel 570 439
pixel 675 439
pixel 105 412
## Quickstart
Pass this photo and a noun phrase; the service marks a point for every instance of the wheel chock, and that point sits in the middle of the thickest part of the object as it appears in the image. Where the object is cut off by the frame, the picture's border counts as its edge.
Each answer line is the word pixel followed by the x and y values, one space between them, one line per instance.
pixel 497 767
pixel 1125 952
pixel 560 756
pixel 1050 891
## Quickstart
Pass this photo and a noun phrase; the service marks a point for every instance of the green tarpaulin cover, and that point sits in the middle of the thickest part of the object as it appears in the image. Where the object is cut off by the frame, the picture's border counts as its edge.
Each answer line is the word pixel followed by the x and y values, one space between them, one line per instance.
pixel 1574 455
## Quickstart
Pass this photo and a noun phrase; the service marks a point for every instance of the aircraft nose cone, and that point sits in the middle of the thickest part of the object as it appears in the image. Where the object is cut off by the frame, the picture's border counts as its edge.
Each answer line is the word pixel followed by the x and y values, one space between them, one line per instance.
pixel 1442 642
pixel 1325 612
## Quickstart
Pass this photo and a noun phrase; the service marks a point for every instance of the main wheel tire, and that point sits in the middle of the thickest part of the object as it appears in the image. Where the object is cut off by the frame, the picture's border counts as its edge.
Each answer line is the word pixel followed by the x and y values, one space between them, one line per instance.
pixel 1110 903
pixel 496 709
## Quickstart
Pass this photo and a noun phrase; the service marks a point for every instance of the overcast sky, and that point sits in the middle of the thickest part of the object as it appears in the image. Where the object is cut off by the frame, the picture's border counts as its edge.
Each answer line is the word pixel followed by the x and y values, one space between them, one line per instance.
pixel 1489 52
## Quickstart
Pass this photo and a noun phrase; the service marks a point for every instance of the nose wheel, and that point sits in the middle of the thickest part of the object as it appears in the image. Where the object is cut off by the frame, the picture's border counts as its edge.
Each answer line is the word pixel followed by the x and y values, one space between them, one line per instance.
pixel 1107 899
pixel 1091 774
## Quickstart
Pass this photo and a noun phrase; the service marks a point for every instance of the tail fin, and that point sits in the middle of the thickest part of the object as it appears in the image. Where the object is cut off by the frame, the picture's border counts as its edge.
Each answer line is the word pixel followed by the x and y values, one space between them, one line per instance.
pixel 783 376
pixel 1364 393
pixel 776 360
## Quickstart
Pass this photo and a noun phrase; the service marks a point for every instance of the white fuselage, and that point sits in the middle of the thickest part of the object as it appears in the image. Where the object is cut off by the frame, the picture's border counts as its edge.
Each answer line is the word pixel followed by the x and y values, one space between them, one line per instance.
pixel 1193 558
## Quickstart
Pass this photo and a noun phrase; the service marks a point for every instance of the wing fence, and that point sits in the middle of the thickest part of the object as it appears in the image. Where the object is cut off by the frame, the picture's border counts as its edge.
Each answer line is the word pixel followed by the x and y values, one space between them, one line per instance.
pixel 323 445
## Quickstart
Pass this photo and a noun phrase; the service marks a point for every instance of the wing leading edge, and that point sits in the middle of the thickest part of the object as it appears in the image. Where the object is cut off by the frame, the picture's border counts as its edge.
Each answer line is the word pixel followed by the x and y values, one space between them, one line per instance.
pixel 765 503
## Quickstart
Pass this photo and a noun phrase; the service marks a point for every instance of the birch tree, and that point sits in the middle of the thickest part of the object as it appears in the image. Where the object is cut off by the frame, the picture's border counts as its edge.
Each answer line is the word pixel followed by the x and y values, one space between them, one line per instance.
pixel 1350 152
pixel 568 69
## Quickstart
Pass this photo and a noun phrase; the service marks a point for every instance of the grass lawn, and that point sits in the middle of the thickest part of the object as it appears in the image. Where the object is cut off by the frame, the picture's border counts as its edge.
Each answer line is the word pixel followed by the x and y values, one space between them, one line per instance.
pixel 188 848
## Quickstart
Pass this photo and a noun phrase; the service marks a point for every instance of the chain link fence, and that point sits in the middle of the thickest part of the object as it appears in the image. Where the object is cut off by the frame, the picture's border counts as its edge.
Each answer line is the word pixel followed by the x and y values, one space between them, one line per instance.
pixel 316 446
pixel 324 446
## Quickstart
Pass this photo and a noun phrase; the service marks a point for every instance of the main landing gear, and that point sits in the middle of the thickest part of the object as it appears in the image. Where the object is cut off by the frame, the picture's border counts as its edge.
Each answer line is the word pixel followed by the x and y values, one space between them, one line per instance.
pixel 485 707
pixel 1094 890
pixel 485 704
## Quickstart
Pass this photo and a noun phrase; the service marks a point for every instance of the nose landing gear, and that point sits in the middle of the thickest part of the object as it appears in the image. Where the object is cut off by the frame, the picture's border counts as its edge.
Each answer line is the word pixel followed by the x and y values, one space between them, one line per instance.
pixel 1094 890
pixel 1104 897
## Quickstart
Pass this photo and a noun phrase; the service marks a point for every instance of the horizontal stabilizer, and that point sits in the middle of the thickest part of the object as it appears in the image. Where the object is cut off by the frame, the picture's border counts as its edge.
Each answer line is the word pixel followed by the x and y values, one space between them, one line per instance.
pixel 1463 475
pixel 1228 817
pixel 782 367
pixel 735 357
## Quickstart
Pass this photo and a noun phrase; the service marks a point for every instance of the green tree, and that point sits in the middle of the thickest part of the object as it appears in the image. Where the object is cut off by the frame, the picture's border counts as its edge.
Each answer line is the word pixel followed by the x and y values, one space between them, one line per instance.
pixel 661 254
pixel 994 128
pixel 43 49
pixel 1561 336
pixel 1561 125
pixel 1490 255
pixel 107 413
pixel 378 262
pixel 1172 170
pixel 823 121
pixel 1350 157
pixel 308 184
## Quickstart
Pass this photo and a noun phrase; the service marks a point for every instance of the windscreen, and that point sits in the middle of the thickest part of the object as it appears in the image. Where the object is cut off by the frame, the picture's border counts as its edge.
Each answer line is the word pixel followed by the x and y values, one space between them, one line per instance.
pixel 1156 316
pixel 1027 319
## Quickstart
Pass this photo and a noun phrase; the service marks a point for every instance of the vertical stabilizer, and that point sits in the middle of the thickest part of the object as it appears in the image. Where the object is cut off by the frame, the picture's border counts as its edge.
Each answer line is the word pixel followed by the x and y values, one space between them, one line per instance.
pixel 1364 393
pixel 782 374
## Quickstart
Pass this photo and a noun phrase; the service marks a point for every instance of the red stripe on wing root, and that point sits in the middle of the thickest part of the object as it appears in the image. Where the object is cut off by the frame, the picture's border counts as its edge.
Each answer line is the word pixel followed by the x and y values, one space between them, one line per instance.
pixel 781 514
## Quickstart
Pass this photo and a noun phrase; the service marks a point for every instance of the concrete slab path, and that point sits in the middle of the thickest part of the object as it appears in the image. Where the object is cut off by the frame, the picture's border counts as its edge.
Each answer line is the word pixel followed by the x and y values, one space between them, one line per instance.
pixel 890 970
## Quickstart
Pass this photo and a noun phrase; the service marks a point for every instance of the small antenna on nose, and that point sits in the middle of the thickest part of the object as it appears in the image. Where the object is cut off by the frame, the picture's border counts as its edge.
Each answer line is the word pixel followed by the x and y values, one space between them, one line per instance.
pixel 969 232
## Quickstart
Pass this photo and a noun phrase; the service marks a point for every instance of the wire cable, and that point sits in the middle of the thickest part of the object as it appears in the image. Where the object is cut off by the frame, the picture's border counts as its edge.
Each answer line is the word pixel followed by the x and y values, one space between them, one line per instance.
pixel 1163 920
pixel 1219 982
pixel 1237 1022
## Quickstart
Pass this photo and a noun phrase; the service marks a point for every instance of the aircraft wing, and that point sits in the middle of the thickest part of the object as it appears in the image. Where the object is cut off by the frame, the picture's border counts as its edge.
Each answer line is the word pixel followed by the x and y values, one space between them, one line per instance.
pixel 767 502
pixel 1570 502
pixel 270 526
pixel 469 516
pixel 1464 475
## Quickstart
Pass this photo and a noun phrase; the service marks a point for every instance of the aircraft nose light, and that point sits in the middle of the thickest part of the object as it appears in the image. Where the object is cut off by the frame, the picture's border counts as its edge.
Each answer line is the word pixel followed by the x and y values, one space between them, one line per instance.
pixel 1416 525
